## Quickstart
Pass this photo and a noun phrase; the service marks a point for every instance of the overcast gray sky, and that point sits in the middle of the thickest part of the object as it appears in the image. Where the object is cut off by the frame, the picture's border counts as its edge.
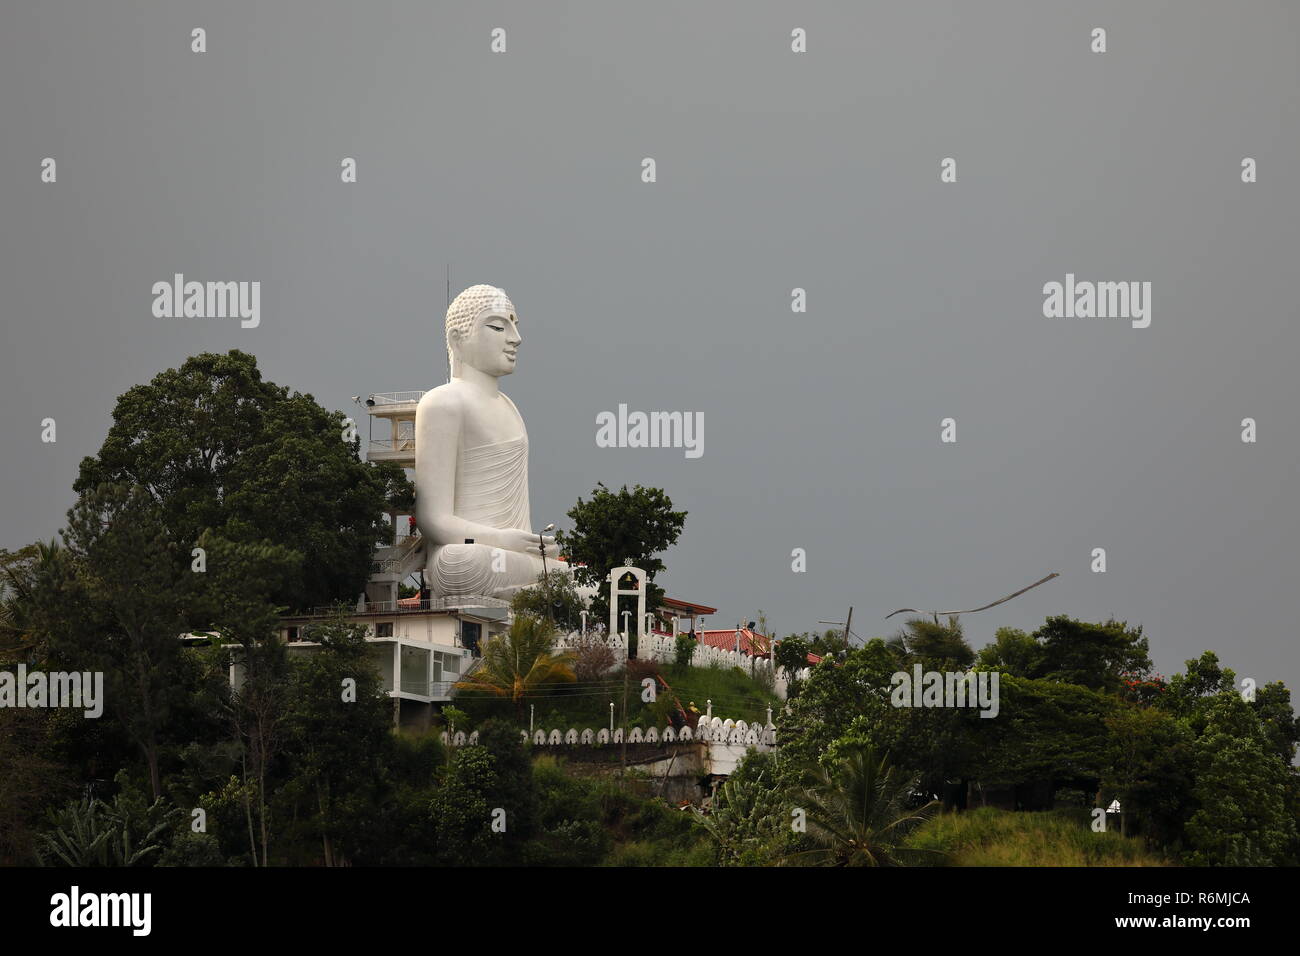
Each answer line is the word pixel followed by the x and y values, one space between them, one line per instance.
pixel 775 170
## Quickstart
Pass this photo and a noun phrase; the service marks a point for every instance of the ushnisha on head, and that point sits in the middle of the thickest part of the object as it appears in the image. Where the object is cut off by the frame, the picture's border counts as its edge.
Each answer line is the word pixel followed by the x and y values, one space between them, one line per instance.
pixel 482 331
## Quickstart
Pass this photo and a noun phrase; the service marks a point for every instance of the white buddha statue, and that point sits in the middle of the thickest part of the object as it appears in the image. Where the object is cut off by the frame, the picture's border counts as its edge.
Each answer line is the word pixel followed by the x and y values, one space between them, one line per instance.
pixel 471 461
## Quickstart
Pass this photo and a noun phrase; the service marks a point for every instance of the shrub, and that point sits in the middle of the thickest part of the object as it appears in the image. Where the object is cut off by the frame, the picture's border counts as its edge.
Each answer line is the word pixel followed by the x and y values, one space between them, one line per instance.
pixel 684 651
pixel 593 661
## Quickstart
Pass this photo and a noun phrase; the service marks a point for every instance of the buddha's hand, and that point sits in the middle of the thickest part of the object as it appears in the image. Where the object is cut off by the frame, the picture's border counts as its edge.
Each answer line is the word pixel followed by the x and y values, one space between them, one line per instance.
pixel 528 542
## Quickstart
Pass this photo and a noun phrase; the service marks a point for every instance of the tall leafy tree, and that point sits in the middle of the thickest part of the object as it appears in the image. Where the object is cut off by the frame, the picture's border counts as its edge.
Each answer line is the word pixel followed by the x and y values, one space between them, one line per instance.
pixel 835 695
pixel 1045 731
pixel 1014 652
pixel 257 713
pixel 615 526
pixel 118 606
pixel 222 450
pixel 337 721
pixel 1148 760
pixel 1099 656
pixel 791 654
pixel 1245 794
pixel 486 808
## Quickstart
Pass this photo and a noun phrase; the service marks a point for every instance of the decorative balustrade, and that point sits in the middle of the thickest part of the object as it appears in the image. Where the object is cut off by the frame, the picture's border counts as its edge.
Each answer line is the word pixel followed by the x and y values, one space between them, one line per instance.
pixel 712 730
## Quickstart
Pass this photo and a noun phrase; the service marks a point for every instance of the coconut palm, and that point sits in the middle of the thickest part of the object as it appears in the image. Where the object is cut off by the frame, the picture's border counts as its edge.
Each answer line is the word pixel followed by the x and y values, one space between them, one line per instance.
pixel 517 663
pixel 857 811
pixel 21 574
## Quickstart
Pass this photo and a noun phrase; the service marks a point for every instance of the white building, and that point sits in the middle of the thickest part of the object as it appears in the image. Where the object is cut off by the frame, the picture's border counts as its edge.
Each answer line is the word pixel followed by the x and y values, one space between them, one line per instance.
pixel 420 648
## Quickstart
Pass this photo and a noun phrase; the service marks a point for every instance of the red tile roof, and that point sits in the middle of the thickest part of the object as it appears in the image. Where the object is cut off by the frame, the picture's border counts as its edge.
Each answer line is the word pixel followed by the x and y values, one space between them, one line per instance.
pixel 677 604
pixel 726 640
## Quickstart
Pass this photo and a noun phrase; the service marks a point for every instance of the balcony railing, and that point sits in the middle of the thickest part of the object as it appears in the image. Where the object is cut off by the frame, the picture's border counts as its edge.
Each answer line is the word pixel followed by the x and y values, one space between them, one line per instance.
pixel 396 398
pixel 437 688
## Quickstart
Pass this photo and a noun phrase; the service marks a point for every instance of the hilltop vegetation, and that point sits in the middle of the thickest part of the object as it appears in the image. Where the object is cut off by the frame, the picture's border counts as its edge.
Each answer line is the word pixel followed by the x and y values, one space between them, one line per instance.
pixel 991 837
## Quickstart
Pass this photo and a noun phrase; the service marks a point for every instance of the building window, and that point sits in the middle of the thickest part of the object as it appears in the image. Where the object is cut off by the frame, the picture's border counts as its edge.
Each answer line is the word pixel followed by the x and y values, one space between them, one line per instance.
pixel 470 631
pixel 293 635
pixel 384 630
pixel 445 668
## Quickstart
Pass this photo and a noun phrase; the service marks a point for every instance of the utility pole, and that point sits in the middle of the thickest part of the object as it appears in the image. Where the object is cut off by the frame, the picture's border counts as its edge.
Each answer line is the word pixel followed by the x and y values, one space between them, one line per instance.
pixel 847 626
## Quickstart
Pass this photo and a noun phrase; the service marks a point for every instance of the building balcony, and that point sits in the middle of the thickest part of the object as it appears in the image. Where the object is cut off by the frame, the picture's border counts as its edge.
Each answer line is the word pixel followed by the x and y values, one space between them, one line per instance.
pixel 393 404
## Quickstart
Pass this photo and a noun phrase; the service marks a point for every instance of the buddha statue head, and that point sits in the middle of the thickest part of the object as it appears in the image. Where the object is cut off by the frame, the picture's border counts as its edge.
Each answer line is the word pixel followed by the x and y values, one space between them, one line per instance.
pixel 482 331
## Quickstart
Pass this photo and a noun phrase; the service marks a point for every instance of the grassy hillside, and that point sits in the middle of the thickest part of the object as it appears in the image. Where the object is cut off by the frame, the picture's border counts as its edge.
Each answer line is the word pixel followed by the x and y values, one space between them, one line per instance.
pixel 989 837
pixel 734 694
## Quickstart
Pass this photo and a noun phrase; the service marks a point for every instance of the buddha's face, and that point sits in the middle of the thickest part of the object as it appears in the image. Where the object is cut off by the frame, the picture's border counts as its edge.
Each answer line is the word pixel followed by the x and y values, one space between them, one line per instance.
pixel 492 344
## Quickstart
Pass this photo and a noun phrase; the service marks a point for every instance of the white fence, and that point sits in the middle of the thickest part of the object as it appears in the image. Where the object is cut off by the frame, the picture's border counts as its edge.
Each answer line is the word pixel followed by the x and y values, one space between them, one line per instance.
pixel 709 730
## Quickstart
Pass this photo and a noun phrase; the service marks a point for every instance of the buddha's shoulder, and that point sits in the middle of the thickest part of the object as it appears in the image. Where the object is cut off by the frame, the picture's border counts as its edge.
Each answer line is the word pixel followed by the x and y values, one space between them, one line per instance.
pixel 446 399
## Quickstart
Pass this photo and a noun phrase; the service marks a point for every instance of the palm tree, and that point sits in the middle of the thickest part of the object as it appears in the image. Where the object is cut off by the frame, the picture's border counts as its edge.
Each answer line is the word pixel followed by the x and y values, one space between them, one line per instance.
pixel 922 639
pixel 517 663
pixel 856 811
pixel 21 574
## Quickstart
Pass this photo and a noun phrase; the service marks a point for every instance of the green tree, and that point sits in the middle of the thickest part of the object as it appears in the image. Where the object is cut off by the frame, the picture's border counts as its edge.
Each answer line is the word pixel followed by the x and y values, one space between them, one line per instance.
pixel 617 526
pixel 1243 791
pixel 858 812
pixel 1099 656
pixel 461 809
pixel 556 600
pixel 942 645
pixel 749 820
pixel 485 812
pixel 118 606
pixel 791 654
pixel 519 662
pixel 338 720
pixel 1279 721
pixel 831 642
pixel 32 778
pixel 1191 693
pixel 219 449
pixel 684 651
pixel 256 714
pixel 569 830
pixel 1148 756
pixel 837 694
pixel 1014 652
pixel 1045 731
pixel 22 574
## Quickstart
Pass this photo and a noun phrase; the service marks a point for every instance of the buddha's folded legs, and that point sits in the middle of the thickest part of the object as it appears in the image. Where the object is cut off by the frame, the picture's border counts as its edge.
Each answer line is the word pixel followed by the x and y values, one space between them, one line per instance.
pixel 455 570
